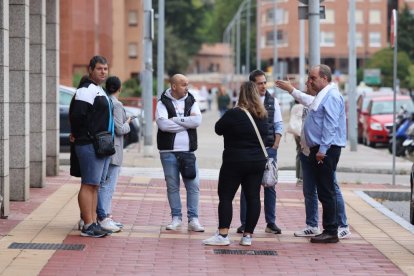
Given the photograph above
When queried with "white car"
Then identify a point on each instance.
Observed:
(201, 100)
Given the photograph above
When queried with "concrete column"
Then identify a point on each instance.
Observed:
(4, 108)
(52, 87)
(19, 99)
(37, 95)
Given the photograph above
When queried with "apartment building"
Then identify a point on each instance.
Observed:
(111, 28)
(372, 31)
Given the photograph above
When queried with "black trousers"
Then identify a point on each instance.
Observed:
(324, 176)
(233, 174)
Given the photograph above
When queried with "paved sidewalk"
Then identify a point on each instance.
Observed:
(379, 245)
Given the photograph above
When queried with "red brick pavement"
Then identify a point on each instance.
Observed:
(144, 210)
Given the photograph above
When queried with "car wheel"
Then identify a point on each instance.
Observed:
(412, 196)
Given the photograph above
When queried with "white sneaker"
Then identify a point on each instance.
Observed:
(217, 239)
(175, 223)
(246, 240)
(81, 223)
(108, 224)
(309, 231)
(194, 225)
(344, 232)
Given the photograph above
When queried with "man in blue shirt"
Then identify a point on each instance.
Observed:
(325, 135)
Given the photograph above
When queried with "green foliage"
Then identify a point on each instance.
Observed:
(383, 60)
(410, 77)
(76, 79)
(131, 88)
(405, 32)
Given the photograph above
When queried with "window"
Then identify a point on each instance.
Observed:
(359, 40)
(374, 17)
(374, 39)
(132, 50)
(281, 16)
(329, 17)
(327, 39)
(132, 18)
(281, 38)
(359, 17)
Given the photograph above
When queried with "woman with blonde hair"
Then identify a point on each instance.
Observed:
(243, 163)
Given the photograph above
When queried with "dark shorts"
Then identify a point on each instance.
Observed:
(93, 169)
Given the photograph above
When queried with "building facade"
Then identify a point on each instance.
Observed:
(372, 31)
(111, 28)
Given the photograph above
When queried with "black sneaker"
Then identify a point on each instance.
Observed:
(93, 231)
(240, 230)
(272, 228)
(100, 228)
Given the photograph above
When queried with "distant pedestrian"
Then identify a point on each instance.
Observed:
(325, 135)
(309, 186)
(107, 189)
(243, 163)
(234, 98)
(178, 116)
(90, 112)
(209, 98)
(295, 128)
(223, 100)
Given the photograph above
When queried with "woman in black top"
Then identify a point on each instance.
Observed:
(243, 162)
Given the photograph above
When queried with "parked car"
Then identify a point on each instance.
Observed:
(201, 100)
(412, 196)
(362, 104)
(66, 94)
(378, 118)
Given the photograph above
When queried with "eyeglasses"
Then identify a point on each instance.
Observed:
(261, 83)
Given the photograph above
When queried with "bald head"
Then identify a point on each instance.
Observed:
(179, 86)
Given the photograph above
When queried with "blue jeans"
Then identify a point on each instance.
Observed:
(269, 198)
(311, 197)
(106, 190)
(170, 166)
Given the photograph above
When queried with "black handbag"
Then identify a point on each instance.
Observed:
(103, 143)
(186, 164)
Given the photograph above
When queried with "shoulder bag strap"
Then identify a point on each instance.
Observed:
(257, 132)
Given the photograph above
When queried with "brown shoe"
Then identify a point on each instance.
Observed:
(325, 238)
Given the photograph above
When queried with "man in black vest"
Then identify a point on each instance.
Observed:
(273, 138)
(177, 116)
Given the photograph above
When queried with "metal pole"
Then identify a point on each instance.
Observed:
(248, 23)
(314, 29)
(302, 55)
(395, 18)
(160, 48)
(275, 69)
(147, 77)
(258, 58)
(352, 119)
(238, 43)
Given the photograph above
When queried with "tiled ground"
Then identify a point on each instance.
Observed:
(146, 248)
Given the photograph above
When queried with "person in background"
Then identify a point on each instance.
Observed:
(223, 100)
(90, 112)
(243, 163)
(234, 98)
(107, 189)
(295, 128)
(274, 134)
(324, 132)
(209, 98)
(178, 116)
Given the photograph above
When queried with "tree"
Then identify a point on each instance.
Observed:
(383, 60)
(405, 32)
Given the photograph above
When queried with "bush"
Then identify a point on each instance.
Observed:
(131, 88)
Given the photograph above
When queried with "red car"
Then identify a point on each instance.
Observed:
(377, 119)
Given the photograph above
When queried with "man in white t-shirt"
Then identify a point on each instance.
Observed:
(178, 116)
